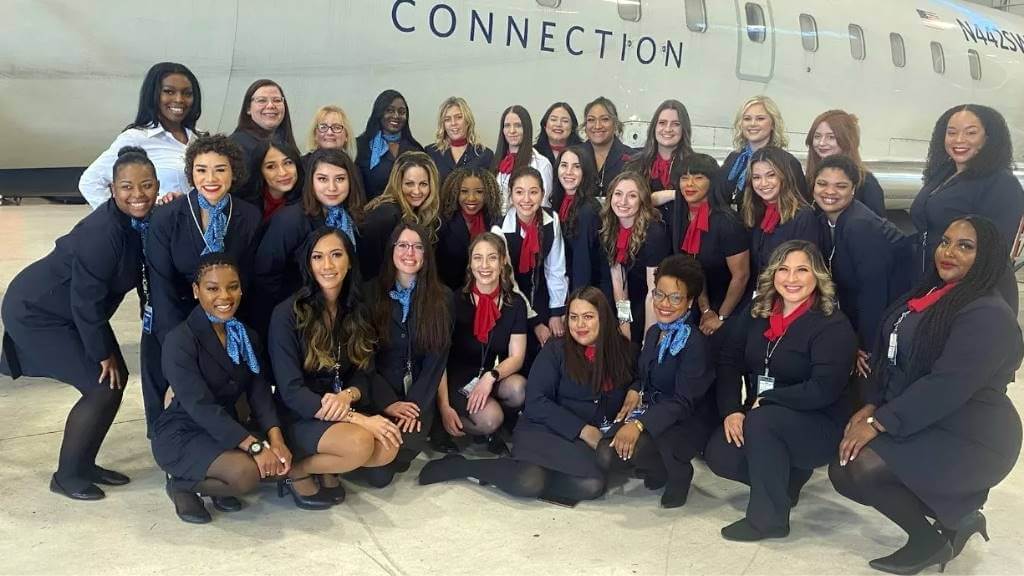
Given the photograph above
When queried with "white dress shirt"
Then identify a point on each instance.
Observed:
(543, 165)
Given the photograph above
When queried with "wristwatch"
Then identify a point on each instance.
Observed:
(639, 425)
(722, 317)
(255, 448)
(494, 372)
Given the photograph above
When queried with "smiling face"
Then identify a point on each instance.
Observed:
(408, 255)
(965, 137)
(471, 195)
(135, 190)
(766, 182)
(176, 99)
(527, 194)
(395, 116)
(600, 126)
(267, 107)
(219, 291)
(824, 141)
(279, 171)
(485, 263)
(794, 279)
(330, 262)
(833, 192)
(584, 322)
(669, 129)
(211, 175)
(558, 127)
(416, 186)
(695, 188)
(671, 300)
(330, 184)
(512, 129)
(570, 172)
(756, 125)
(957, 251)
(455, 125)
(330, 132)
(625, 201)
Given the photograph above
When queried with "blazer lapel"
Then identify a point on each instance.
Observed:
(203, 330)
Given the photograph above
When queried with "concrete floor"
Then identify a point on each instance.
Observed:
(457, 528)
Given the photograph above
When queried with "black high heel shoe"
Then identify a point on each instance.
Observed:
(89, 492)
(973, 523)
(313, 502)
(942, 555)
(335, 494)
(187, 505)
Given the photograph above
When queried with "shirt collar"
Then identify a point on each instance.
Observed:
(159, 129)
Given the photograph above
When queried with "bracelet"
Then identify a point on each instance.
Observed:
(639, 425)
(705, 311)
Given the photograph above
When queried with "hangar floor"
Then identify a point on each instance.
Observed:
(457, 528)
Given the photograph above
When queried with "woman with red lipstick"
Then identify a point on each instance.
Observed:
(471, 206)
(669, 141)
(633, 241)
(797, 360)
(838, 133)
(386, 138)
(969, 171)
(456, 144)
(938, 431)
(277, 167)
(559, 129)
(515, 151)
(575, 391)
(264, 115)
(579, 215)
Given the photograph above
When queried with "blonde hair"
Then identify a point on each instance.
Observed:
(427, 215)
(644, 216)
(778, 138)
(441, 137)
(824, 293)
(319, 117)
(790, 201)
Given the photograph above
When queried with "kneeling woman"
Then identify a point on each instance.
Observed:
(574, 394)
(323, 364)
(210, 362)
(675, 375)
(939, 431)
(799, 353)
(57, 312)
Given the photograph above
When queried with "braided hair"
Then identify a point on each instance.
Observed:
(212, 260)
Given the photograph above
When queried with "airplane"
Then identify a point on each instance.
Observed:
(72, 71)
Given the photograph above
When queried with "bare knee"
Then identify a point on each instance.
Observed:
(346, 440)
(383, 454)
(512, 391)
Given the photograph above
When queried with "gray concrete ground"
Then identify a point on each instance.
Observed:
(457, 528)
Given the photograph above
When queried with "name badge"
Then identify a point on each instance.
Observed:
(605, 426)
(764, 384)
(147, 319)
(623, 311)
(468, 388)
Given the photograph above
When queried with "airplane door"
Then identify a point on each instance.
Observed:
(755, 29)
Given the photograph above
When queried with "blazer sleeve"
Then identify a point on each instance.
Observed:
(1003, 203)
(93, 266)
(94, 185)
(160, 265)
(801, 180)
(542, 393)
(977, 349)
(261, 402)
(433, 367)
(582, 257)
(832, 352)
(286, 358)
(554, 271)
(871, 194)
(546, 175)
(272, 254)
(873, 262)
(375, 232)
(692, 382)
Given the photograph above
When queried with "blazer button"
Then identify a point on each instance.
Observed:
(595, 401)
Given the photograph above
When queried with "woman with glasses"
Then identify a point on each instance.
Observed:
(330, 129)
(264, 115)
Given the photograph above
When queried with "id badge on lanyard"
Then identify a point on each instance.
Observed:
(765, 382)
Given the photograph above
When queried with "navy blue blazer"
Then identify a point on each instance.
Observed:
(453, 249)
(376, 180)
(677, 388)
(174, 246)
(207, 384)
(583, 244)
(473, 157)
(733, 196)
(374, 234)
(618, 157)
(871, 194)
(277, 267)
(803, 226)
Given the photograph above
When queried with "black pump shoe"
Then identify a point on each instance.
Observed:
(942, 555)
(108, 477)
(318, 501)
(187, 505)
(744, 531)
(90, 492)
(226, 503)
(335, 494)
(973, 523)
(497, 446)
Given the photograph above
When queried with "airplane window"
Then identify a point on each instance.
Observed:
(975, 59)
(755, 23)
(938, 58)
(696, 15)
(899, 50)
(629, 10)
(549, 3)
(809, 32)
(857, 48)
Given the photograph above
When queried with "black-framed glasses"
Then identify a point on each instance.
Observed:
(674, 298)
(323, 127)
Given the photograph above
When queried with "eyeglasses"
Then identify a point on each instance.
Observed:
(409, 247)
(819, 138)
(263, 101)
(674, 298)
(334, 128)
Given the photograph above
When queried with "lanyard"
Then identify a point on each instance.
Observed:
(202, 234)
(407, 378)
(769, 351)
(894, 338)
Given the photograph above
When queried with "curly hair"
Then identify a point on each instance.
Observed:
(610, 222)
(778, 139)
(453, 183)
(506, 283)
(218, 144)
(837, 162)
(790, 199)
(995, 155)
(685, 269)
(428, 214)
(825, 291)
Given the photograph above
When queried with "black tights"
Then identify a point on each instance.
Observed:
(86, 427)
(515, 477)
(646, 458)
(233, 473)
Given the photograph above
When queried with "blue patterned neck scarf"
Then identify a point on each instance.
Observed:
(739, 169)
(238, 343)
(218, 226)
(404, 297)
(338, 217)
(379, 146)
(675, 335)
(141, 226)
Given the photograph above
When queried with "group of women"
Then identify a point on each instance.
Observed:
(609, 311)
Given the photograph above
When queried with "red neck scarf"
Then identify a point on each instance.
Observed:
(475, 223)
(590, 353)
(699, 223)
(556, 149)
(458, 143)
(271, 204)
(771, 218)
(660, 170)
(507, 163)
(779, 324)
(487, 313)
(622, 244)
(531, 246)
(563, 209)
(924, 302)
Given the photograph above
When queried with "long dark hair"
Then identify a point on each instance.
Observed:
(586, 191)
(525, 153)
(995, 155)
(543, 145)
(384, 99)
(643, 162)
(350, 327)
(429, 312)
(259, 154)
(356, 199)
(247, 124)
(614, 360)
(148, 115)
(990, 264)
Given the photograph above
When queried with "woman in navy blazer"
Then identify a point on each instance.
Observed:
(471, 204)
(56, 315)
(211, 360)
(386, 137)
(456, 144)
(207, 220)
(574, 395)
